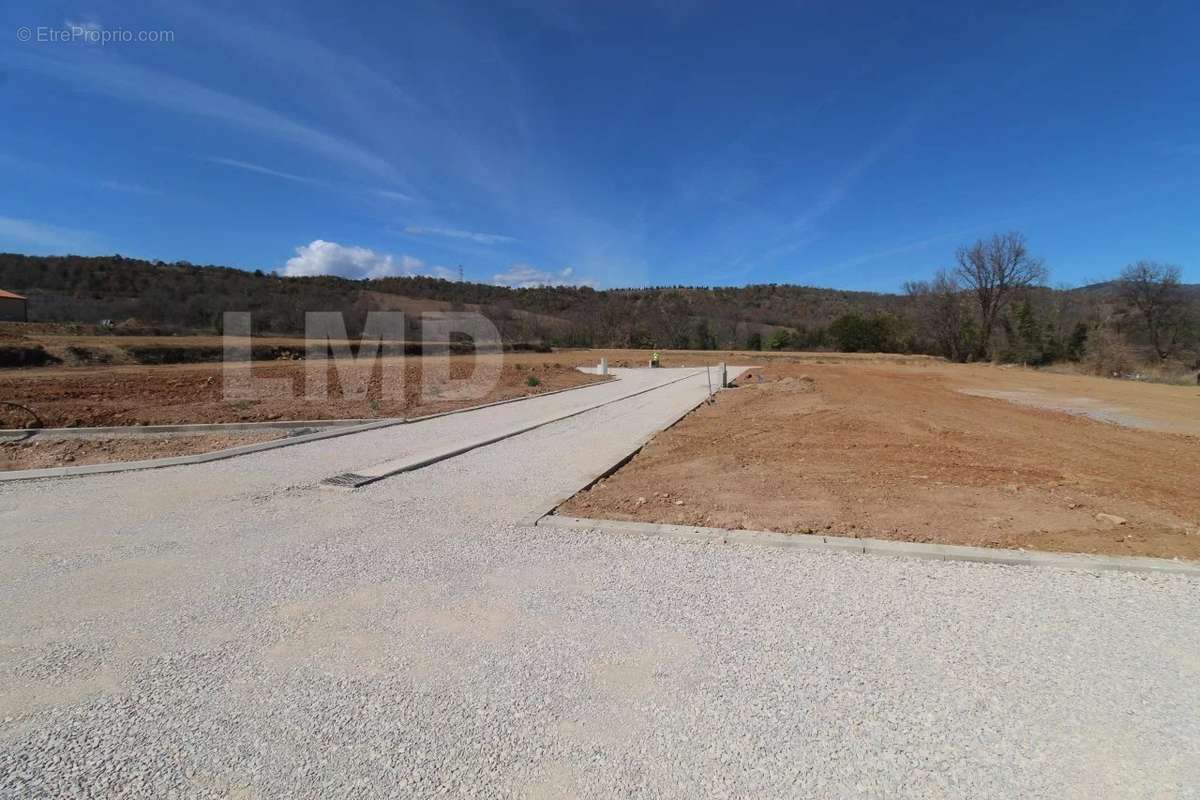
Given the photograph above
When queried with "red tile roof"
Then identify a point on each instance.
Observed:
(11, 295)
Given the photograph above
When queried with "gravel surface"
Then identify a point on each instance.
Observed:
(231, 630)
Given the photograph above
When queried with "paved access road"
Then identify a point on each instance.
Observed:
(231, 630)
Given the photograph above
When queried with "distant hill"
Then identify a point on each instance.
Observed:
(182, 297)
(185, 297)
(1109, 289)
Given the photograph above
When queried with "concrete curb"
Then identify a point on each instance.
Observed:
(494, 403)
(197, 458)
(345, 428)
(935, 552)
(363, 477)
(531, 519)
(215, 427)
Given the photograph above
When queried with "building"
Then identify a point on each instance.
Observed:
(13, 307)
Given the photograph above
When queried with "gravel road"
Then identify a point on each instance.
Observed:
(232, 630)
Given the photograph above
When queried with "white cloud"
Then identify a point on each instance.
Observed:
(261, 170)
(87, 30)
(454, 233)
(803, 229)
(391, 194)
(129, 188)
(330, 258)
(523, 276)
(134, 83)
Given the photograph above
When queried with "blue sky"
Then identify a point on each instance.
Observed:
(639, 143)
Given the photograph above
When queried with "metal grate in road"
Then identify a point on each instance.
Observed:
(347, 480)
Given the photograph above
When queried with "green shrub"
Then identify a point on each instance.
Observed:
(533, 380)
(780, 339)
(855, 333)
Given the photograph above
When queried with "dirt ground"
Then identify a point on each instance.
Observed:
(193, 393)
(901, 451)
(123, 393)
(38, 453)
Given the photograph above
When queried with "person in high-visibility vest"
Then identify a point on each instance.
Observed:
(654, 359)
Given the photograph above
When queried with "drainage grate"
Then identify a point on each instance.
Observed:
(347, 480)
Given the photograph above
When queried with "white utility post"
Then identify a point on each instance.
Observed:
(603, 366)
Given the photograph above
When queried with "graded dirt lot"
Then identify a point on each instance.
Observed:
(38, 453)
(194, 393)
(84, 393)
(902, 451)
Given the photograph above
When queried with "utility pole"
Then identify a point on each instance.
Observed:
(460, 274)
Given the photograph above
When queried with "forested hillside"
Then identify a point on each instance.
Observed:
(180, 296)
(1033, 323)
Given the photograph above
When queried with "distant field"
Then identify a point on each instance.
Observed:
(92, 347)
(49, 345)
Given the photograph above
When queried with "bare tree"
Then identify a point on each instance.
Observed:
(993, 270)
(1154, 290)
(942, 316)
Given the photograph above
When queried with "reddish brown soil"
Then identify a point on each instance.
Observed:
(898, 452)
(38, 453)
(122, 393)
(193, 393)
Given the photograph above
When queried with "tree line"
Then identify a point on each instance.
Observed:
(992, 303)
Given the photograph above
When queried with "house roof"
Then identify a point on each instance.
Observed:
(11, 295)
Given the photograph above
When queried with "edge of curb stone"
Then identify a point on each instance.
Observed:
(935, 552)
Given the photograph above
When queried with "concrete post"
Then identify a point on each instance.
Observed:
(724, 381)
(603, 366)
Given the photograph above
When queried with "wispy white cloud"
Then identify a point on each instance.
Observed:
(320, 257)
(129, 188)
(834, 194)
(248, 166)
(70, 172)
(134, 83)
(454, 233)
(261, 170)
(802, 230)
(906, 248)
(415, 120)
(26, 233)
(899, 250)
(391, 194)
(89, 28)
(454, 128)
(524, 276)
(791, 246)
